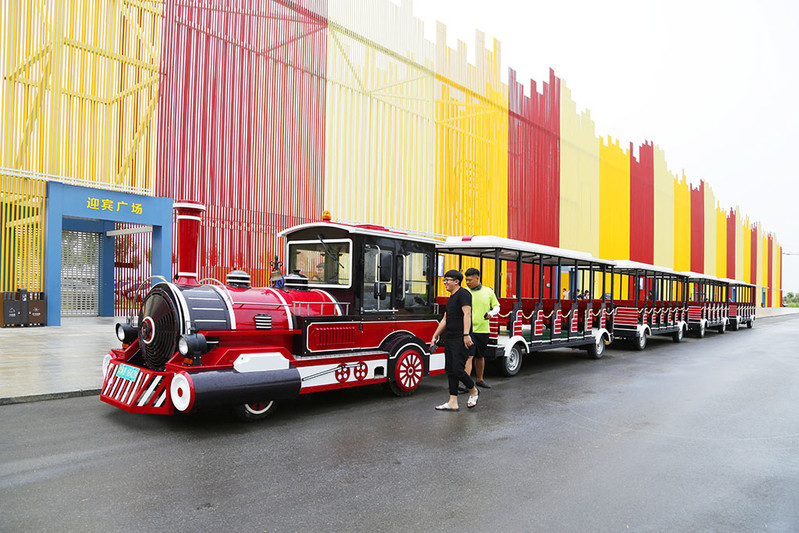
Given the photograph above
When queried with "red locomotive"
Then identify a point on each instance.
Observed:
(356, 308)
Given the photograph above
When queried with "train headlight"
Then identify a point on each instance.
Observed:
(192, 345)
(183, 347)
(126, 333)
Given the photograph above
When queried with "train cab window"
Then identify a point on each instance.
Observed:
(413, 280)
(377, 278)
(325, 263)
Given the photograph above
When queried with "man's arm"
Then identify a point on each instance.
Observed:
(439, 329)
(494, 303)
(467, 324)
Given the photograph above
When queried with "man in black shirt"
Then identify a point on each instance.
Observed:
(457, 325)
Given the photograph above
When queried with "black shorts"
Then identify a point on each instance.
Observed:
(480, 346)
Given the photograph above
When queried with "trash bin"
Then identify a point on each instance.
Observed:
(14, 312)
(37, 309)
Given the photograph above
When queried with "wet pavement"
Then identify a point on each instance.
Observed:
(696, 436)
(36, 361)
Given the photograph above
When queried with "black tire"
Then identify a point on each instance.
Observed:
(701, 332)
(721, 328)
(734, 325)
(510, 365)
(750, 324)
(408, 370)
(677, 335)
(597, 349)
(255, 411)
(639, 343)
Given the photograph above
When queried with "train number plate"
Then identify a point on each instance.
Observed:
(127, 372)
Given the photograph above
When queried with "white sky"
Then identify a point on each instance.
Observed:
(712, 83)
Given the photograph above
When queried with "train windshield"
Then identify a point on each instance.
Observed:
(323, 262)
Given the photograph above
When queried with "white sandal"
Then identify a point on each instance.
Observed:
(472, 400)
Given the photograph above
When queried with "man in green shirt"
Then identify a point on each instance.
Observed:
(484, 306)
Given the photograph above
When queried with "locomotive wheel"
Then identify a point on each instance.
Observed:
(255, 411)
(597, 350)
(509, 365)
(408, 371)
(640, 342)
(677, 336)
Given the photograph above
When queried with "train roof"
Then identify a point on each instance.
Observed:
(737, 282)
(696, 276)
(624, 265)
(486, 245)
(360, 229)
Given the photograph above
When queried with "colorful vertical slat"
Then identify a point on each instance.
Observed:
(579, 178)
(682, 224)
(731, 232)
(663, 211)
(80, 86)
(614, 201)
(242, 122)
(698, 229)
(380, 135)
(642, 204)
(534, 162)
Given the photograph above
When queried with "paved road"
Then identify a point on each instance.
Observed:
(698, 436)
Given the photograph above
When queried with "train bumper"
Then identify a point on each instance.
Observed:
(230, 387)
(140, 390)
(135, 389)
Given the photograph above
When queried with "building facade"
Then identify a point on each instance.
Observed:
(269, 112)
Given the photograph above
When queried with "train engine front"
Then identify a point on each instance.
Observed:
(209, 344)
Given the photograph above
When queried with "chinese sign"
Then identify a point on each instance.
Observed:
(100, 204)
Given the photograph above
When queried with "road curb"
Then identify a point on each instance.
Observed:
(49, 396)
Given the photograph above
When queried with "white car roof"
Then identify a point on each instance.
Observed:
(365, 229)
(485, 245)
(635, 265)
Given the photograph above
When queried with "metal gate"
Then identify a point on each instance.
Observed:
(80, 273)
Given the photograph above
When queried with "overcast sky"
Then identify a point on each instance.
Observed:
(712, 83)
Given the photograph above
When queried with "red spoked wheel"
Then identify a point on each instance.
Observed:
(342, 373)
(360, 372)
(408, 371)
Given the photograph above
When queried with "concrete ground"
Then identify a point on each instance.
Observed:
(40, 363)
(59, 361)
(697, 436)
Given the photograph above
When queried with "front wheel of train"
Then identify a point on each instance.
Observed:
(721, 328)
(255, 411)
(677, 336)
(408, 371)
(701, 332)
(597, 350)
(509, 365)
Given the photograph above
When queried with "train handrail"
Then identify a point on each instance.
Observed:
(129, 318)
(210, 279)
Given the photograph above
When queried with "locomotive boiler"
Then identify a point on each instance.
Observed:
(355, 308)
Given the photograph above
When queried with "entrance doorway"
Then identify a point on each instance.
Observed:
(80, 273)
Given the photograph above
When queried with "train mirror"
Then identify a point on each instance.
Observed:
(380, 291)
(385, 267)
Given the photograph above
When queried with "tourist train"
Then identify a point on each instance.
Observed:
(358, 305)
